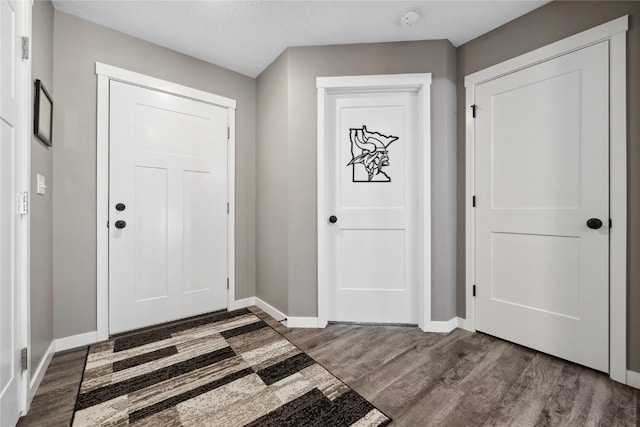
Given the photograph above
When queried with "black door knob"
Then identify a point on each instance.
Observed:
(594, 223)
(120, 224)
(333, 219)
(120, 207)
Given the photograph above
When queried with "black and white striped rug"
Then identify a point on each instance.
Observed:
(222, 369)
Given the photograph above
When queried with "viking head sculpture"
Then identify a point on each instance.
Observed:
(374, 155)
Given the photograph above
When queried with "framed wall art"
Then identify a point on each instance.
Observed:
(43, 114)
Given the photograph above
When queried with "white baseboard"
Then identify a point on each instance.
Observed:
(74, 341)
(38, 374)
(633, 379)
(302, 322)
(467, 325)
(243, 303)
(270, 310)
(444, 326)
(292, 322)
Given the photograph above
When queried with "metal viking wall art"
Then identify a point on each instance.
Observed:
(369, 152)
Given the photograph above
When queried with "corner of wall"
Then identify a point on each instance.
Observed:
(452, 172)
(271, 183)
(444, 187)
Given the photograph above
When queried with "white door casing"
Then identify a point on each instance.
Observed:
(535, 222)
(542, 171)
(373, 143)
(9, 347)
(105, 75)
(15, 130)
(168, 169)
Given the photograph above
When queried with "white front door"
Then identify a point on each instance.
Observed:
(9, 292)
(542, 215)
(372, 207)
(167, 207)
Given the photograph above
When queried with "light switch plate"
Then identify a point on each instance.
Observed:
(41, 184)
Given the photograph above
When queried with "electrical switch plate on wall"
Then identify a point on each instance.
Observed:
(41, 184)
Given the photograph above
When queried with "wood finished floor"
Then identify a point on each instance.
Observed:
(420, 379)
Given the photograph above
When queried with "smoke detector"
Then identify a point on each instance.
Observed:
(409, 17)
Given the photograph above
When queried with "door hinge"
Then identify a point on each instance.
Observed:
(610, 223)
(227, 283)
(23, 358)
(228, 132)
(473, 201)
(474, 107)
(22, 203)
(25, 48)
(474, 290)
(228, 208)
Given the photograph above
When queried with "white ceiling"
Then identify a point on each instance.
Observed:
(246, 36)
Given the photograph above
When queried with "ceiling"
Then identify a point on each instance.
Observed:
(246, 36)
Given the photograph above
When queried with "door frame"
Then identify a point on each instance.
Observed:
(421, 84)
(105, 74)
(22, 174)
(614, 32)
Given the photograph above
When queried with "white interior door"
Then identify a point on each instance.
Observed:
(167, 207)
(372, 207)
(542, 156)
(9, 292)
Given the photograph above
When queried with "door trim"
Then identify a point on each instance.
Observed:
(615, 32)
(420, 83)
(22, 173)
(105, 74)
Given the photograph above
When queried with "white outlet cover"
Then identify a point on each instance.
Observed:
(41, 184)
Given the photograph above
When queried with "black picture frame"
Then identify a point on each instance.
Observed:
(43, 114)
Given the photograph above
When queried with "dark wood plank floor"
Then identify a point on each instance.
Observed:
(421, 379)
(56, 397)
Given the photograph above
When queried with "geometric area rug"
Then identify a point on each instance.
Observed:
(221, 369)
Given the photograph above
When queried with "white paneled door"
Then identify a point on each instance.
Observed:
(372, 200)
(9, 291)
(542, 214)
(167, 207)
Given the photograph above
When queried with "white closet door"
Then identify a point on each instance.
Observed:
(542, 144)
(9, 292)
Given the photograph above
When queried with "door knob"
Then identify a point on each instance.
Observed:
(121, 224)
(120, 207)
(333, 219)
(594, 223)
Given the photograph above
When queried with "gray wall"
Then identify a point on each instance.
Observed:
(304, 65)
(41, 267)
(77, 45)
(271, 176)
(545, 25)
